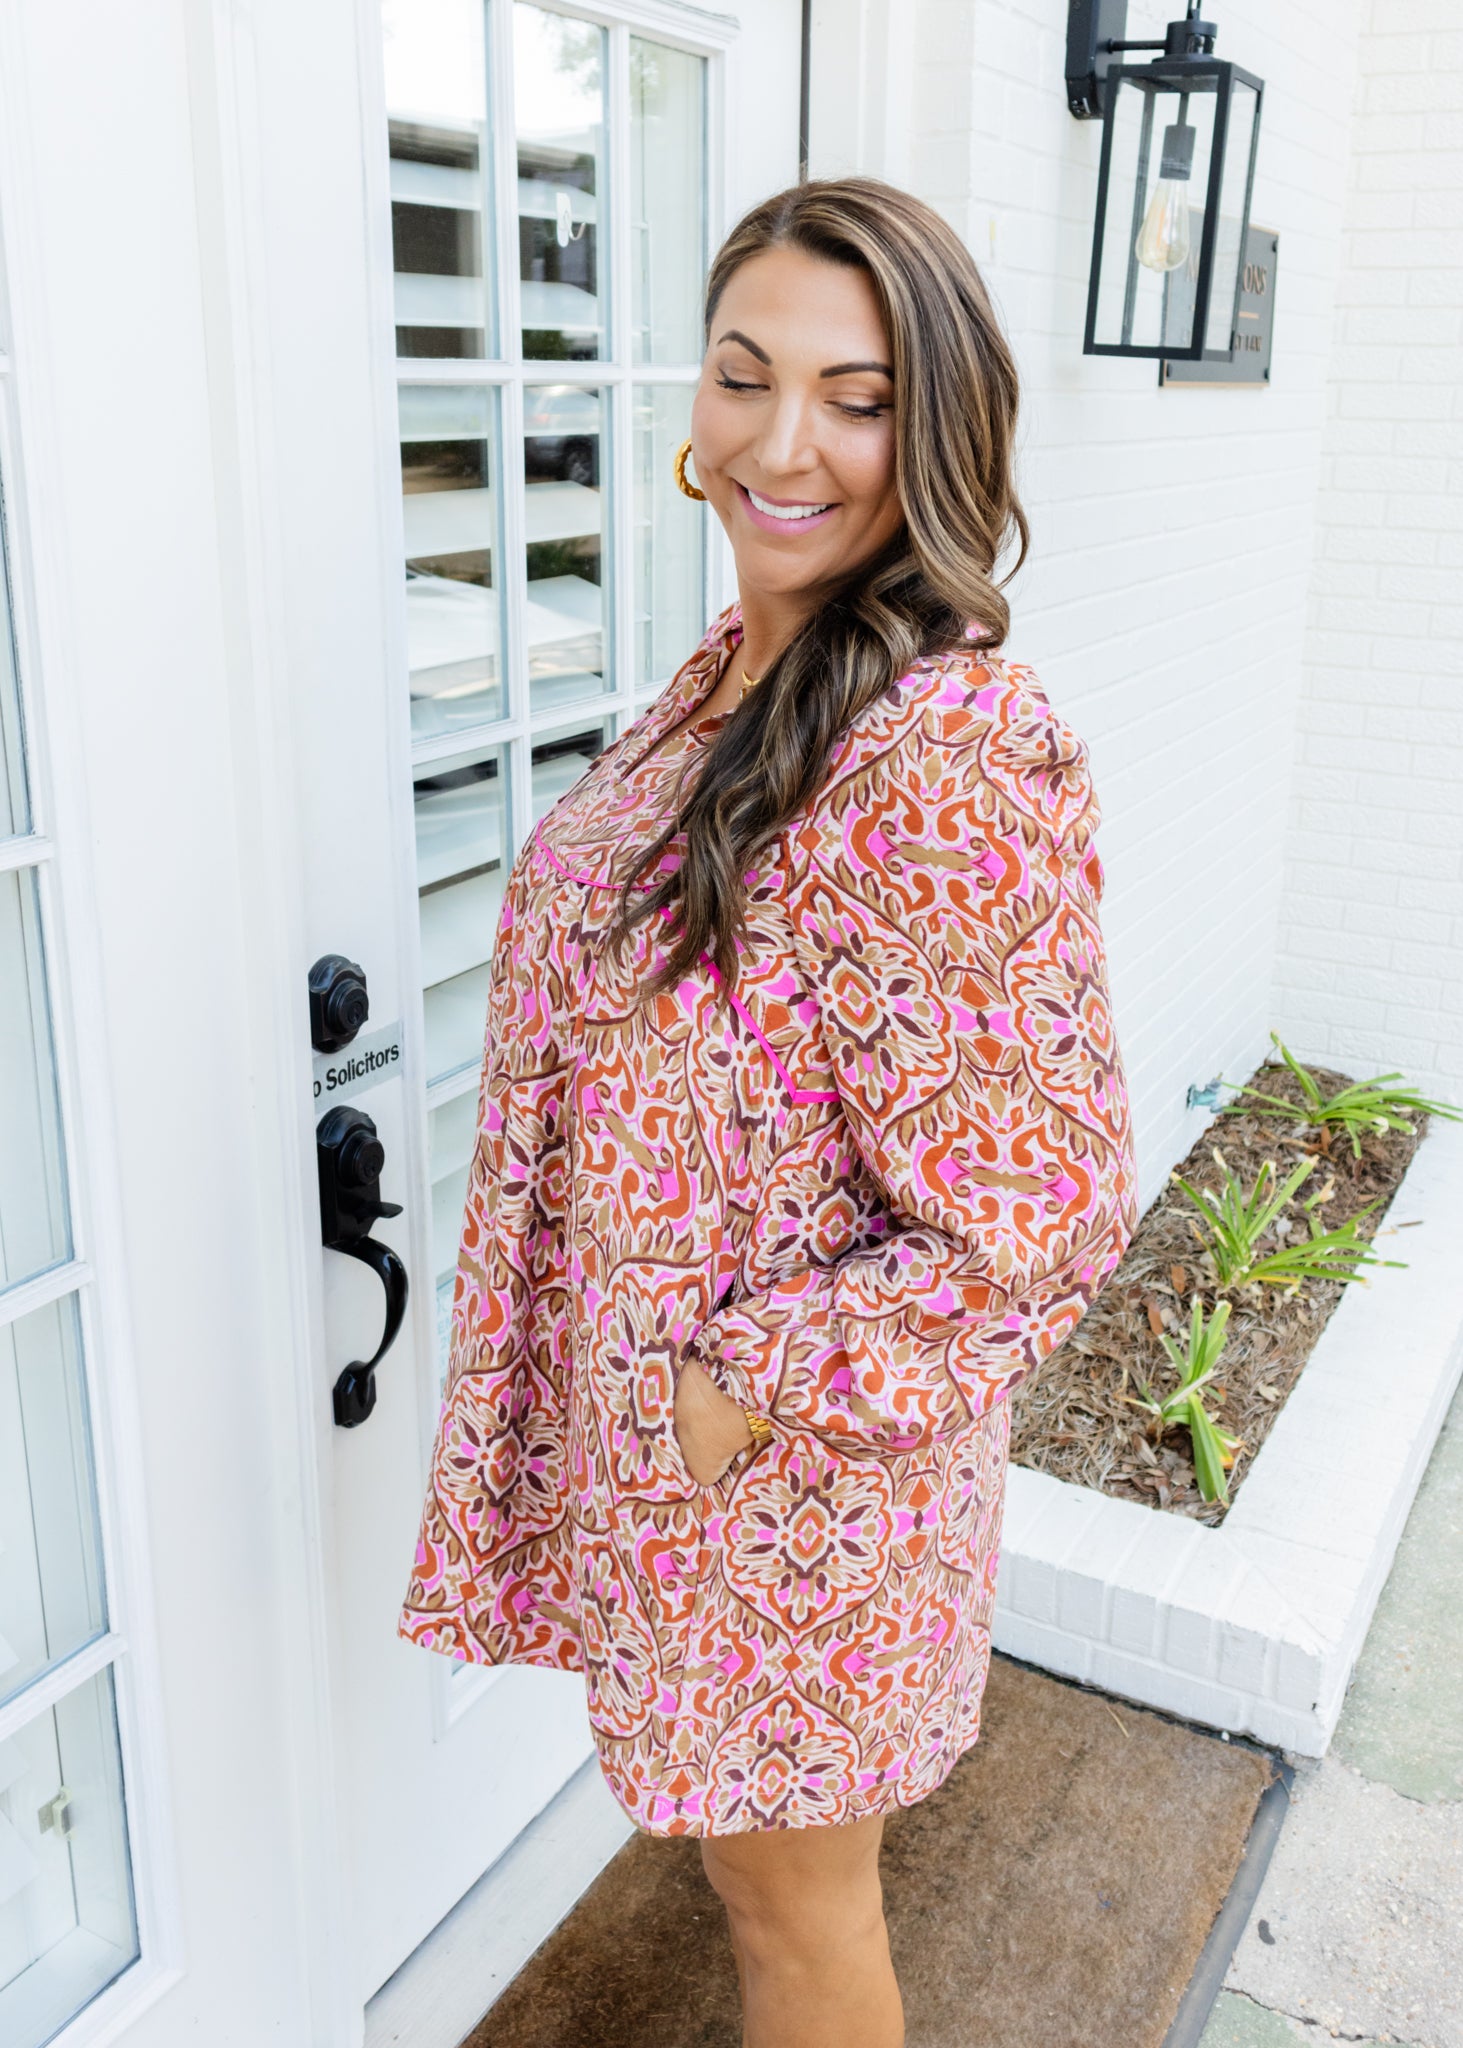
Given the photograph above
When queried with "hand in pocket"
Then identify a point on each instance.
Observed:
(710, 1428)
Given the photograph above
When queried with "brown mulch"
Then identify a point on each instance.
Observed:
(1071, 1419)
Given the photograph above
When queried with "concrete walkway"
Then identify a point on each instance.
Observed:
(1358, 1931)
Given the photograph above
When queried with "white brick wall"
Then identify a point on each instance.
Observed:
(1165, 602)
(1369, 966)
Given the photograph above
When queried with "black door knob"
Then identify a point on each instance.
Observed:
(339, 1003)
(350, 1157)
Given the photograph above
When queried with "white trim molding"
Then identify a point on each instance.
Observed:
(443, 1989)
(1255, 1626)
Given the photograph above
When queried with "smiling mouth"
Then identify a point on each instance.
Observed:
(786, 515)
(787, 511)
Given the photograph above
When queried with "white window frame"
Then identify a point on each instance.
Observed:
(53, 848)
(703, 35)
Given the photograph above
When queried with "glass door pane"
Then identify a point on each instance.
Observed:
(450, 510)
(558, 92)
(1234, 182)
(560, 758)
(667, 201)
(462, 870)
(67, 1919)
(463, 610)
(14, 810)
(436, 100)
(34, 1227)
(669, 551)
(51, 1598)
(565, 511)
(67, 1925)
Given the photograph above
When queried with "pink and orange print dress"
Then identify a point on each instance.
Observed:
(894, 1164)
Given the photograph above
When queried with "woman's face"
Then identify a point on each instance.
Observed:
(793, 425)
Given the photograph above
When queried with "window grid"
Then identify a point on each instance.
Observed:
(614, 375)
(617, 378)
(61, 1722)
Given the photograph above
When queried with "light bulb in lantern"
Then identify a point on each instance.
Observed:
(1163, 239)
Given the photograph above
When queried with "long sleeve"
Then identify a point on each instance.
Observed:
(943, 902)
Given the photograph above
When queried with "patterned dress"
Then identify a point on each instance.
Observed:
(894, 1164)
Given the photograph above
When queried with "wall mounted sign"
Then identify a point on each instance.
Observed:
(1254, 327)
(368, 1060)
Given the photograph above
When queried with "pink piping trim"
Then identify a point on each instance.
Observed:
(584, 881)
(797, 1094)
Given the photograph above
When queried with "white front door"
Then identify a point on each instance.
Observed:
(470, 240)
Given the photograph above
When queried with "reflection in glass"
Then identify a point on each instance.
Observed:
(68, 1924)
(462, 871)
(669, 544)
(559, 759)
(436, 101)
(34, 1231)
(450, 513)
(667, 189)
(14, 812)
(51, 1599)
(562, 445)
(558, 92)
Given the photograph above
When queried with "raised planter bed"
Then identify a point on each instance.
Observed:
(1254, 1625)
(1076, 1418)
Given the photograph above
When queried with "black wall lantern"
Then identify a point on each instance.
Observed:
(1179, 137)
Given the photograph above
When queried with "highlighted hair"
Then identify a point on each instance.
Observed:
(955, 402)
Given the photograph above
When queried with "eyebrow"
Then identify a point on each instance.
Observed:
(734, 334)
(834, 370)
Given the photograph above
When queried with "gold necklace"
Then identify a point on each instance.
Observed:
(748, 683)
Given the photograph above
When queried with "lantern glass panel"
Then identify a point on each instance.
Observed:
(1234, 208)
(1158, 177)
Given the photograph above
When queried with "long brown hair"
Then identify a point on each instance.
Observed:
(955, 402)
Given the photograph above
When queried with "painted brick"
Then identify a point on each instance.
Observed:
(1184, 682)
(1246, 1658)
(1086, 1589)
(1299, 1674)
(1402, 213)
(1031, 1561)
(1035, 1642)
(1322, 1585)
(1251, 604)
(1191, 1627)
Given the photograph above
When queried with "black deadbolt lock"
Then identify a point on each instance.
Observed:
(350, 1158)
(339, 1004)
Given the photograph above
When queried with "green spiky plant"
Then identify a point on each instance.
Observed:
(1233, 1223)
(1196, 1362)
(1385, 1103)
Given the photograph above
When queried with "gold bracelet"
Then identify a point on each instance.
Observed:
(760, 1427)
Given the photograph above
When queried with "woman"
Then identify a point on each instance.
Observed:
(803, 1133)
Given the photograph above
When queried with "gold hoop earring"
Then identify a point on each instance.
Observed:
(680, 468)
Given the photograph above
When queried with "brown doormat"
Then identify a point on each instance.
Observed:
(1055, 1893)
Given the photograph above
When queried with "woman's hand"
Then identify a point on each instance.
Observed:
(710, 1428)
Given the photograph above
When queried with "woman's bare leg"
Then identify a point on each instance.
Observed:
(807, 1918)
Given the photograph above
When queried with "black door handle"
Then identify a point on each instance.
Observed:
(350, 1157)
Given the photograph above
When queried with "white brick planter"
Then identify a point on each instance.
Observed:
(1255, 1626)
